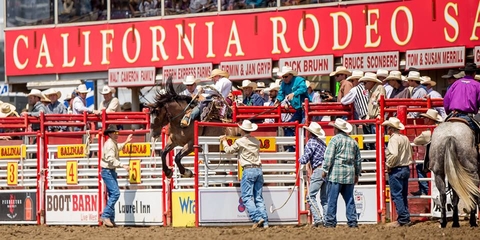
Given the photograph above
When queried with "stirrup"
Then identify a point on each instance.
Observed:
(185, 122)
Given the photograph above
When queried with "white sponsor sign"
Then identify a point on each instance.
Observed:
(365, 197)
(231, 208)
(72, 207)
(131, 77)
(139, 207)
(436, 58)
(371, 62)
(436, 204)
(180, 72)
(305, 66)
(252, 69)
(476, 55)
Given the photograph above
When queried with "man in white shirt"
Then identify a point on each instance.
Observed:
(191, 83)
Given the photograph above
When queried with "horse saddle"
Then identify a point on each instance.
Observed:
(458, 119)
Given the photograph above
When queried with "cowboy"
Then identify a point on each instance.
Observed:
(341, 73)
(110, 162)
(398, 159)
(396, 80)
(248, 149)
(260, 90)
(55, 107)
(429, 84)
(414, 81)
(7, 110)
(357, 95)
(34, 98)
(432, 117)
(109, 103)
(450, 76)
(272, 92)
(382, 75)
(314, 155)
(250, 98)
(375, 90)
(191, 83)
(79, 103)
(294, 90)
(314, 95)
(342, 168)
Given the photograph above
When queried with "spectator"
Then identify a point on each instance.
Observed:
(429, 84)
(7, 110)
(450, 77)
(45, 100)
(272, 91)
(110, 103)
(55, 107)
(79, 103)
(341, 74)
(382, 75)
(418, 90)
(314, 95)
(396, 81)
(294, 90)
(375, 90)
(358, 95)
(191, 83)
(250, 98)
(127, 107)
(34, 98)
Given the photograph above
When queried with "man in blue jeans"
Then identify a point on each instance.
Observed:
(398, 159)
(110, 161)
(342, 166)
(248, 149)
(313, 153)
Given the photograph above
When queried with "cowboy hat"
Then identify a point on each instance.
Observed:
(342, 125)
(477, 77)
(469, 67)
(36, 93)
(273, 86)
(424, 138)
(355, 75)
(52, 91)
(414, 76)
(450, 74)
(459, 75)
(316, 129)
(382, 73)
(7, 109)
(248, 83)
(426, 80)
(111, 128)
(394, 75)
(432, 114)
(190, 80)
(260, 85)
(82, 88)
(287, 70)
(45, 98)
(394, 122)
(370, 77)
(248, 126)
(127, 106)
(340, 70)
(218, 72)
(106, 90)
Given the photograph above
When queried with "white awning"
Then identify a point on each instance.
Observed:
(53, 84)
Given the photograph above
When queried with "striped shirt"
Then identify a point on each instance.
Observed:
(359, 96)
(342, 159)
(314, 152)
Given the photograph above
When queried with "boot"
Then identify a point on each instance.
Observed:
(185, 122)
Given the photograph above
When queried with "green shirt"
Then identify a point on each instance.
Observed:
(342, 159)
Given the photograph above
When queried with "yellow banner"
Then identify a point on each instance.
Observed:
(183, 209)
(358, 138)
(267, 144)
(135, 150)
(71, 151)
(13, 152)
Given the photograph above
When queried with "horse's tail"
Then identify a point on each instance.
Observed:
(461, 181)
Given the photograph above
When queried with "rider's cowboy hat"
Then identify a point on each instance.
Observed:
(394, 75)
(340, 70)
(52, 91)
(287, 70)
(394, 122)
(7, 109)
(111, 128)
(315, 129)
(190, 80)
(469, 67)
(248, 83)
(355, 75)
(106, 90)
(370, 77)
(218, 72)
(426, 80)
(342, 125)
(248, 126)
(82, 88)
(36, 93)
(432, 114)
(382, 73)
(414, 76)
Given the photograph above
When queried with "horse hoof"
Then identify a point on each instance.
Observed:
(188, 173)
(168, 173)
(455, 225)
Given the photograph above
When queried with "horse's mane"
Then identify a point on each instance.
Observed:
(169, 95)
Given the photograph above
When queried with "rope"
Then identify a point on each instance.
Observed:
(87, 146)
(154, 158)
(272, 210)
(206, 160)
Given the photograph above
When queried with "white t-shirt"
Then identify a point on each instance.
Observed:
(224, 86)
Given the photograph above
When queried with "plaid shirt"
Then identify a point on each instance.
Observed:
(342, 159)
(314, 152)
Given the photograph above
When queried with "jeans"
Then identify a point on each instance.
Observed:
(195, 113)
(334, 189)
(251, 189)
(422, 185)
(109, 177)
(317, 183)
(398, 181)
(298, 116)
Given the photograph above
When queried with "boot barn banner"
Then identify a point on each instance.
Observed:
(337, 30)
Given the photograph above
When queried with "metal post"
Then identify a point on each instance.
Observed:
(109, 9)
(196, 170)
(402, 116)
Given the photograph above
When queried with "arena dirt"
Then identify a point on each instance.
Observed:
(424, 230)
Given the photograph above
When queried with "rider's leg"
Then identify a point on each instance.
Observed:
(190, 115)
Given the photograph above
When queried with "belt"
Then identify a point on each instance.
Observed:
(400, 167)
(462, 113)
(251, 166)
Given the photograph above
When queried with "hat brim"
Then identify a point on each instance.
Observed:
(348, 128)
(389, 124)
(252, 85)
(272, 89)
(86, 91)
(431, 83)
(438, 119)
(414, 79)
(293, 72)
(254, 127)
(382, 75)
(346, 72)
(393, 78)
(353, 77)
(36, 95)
(367, 79)
(447, 76)
(320, 134)
(190, 83)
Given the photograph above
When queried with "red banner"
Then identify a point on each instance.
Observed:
(392, 26)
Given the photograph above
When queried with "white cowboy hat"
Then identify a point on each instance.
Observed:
(106, 90)
(7, 109)
(190, 80)
(426, 80)
(316, 129)
(248, 83)
(342, 125)
(36, 93)
(355, 75)
(459, 75)
(341, 70)
(52, 91)
(394, 122)
(394, 75)
(273, 86)
(218, 72)
(370, 77)
(248, 126)
(424, 138)
(432, 114)
(414, 76)
(82, 88)
(477, 77)
(287, 70)
(260, 85)
(382, 73)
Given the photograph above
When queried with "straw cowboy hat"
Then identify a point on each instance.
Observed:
(432, 114)
(248, 83)
(355, 75)
(190, 80)
(36, 93)
(459, 75)
(370, 77)
(426, 80)
(340, 70)
(260, 85)
(111, 128)
(82, 88)
(7, 109)
(248, 126)
(394, 75)
(287, 70)
(218, 72)
(477, 77)
(424, 138)
(273, 86)
(342, 125)
(106, 90)
(316, 129)
(52, 91)
(414, 76)
(382, 73)
(394, 122)
(45, 98)
(127, 106)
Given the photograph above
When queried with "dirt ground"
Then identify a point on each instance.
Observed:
(424, 230)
